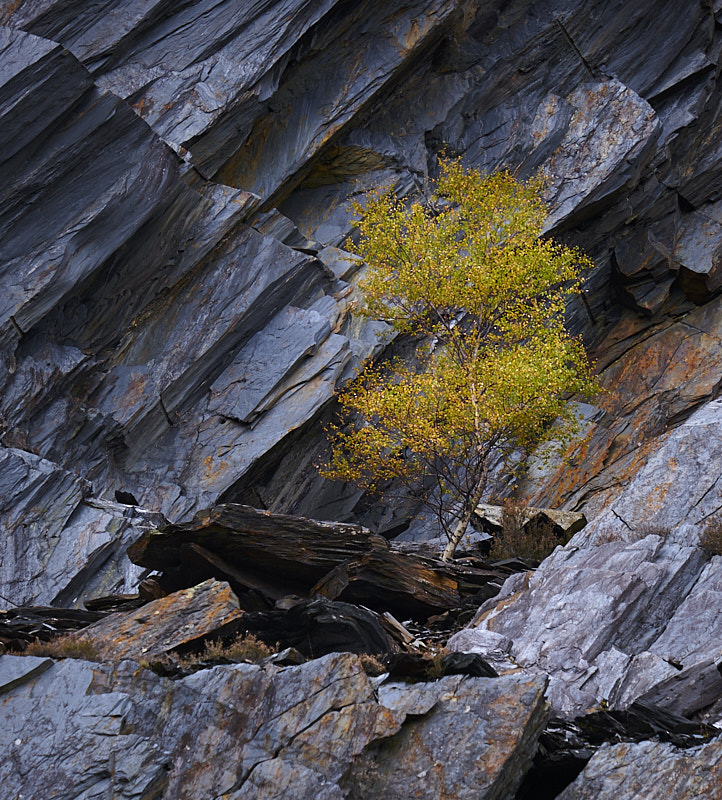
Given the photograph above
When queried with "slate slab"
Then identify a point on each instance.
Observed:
(178, 620)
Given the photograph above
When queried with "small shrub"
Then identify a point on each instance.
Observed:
(372, 665)
(245, 647)
(533, 540)
(711, 539)
(67, 646)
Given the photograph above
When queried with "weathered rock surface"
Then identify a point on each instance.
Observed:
(181, 621)
(496, 737)
(175, 315)
(279, 554)
(619, 771)
(152, 349)
(79, 729)
(63, 551)
(611, 624)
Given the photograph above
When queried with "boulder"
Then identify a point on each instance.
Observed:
(475, 741)
(619, 771)
(608, 623)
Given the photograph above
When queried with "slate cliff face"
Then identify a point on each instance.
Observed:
(176, 313)
(165, 329)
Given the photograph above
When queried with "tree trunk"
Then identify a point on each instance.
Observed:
(465, 518)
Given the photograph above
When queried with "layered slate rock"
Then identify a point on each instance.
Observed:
(75, 160)
(475, 740)
(69, 551)
(647, 456)
(180, 621)
(243, 730)
(280, 554)
(611, 624)
(619, 771)
(146, 287)
(134, 344)
(25, 624)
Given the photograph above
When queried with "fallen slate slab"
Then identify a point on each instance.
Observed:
(279, 547)
(180, 620)
(689, 690)
(29, 623)
(653, 770)
(280, 554)
(320, 626)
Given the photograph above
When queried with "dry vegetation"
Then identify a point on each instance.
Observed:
(67, 646)
(711, 539)
(636, 535)
(245, 647)
(372, 665)
(518, 539)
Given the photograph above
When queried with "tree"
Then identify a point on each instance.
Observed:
(470, 276)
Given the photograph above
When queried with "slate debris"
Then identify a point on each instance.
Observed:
(418, 667)
(320, 626)
(566, 746)
(274, 555)
(19, 626)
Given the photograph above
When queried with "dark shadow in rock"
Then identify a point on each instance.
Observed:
(320, 626)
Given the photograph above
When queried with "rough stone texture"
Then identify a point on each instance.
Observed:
(88, 730)
(620, 771)
(495, 728)
(647, 458)
(136, 355)
(167, 331)
(179, 620)
(16, 670)
(609, 623)
(280, 554)
(65, 551)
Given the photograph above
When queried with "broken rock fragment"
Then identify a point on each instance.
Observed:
(475, 740)
(179, 620)
(664, 771)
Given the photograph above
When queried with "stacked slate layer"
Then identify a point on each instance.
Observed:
(176, 310)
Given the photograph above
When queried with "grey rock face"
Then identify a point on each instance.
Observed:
(148, 303)
(80, 181)
(168, 335)
(72, 549)
(496, 737)
(612, 623)
(620, 771)
(239, 731)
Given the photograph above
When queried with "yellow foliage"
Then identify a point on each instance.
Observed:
(470, 273)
